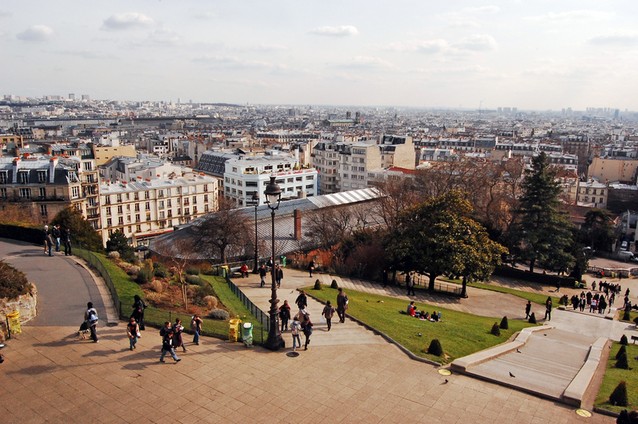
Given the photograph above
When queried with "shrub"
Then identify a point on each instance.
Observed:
(157, 286)
(623, 340)
(211, 301)
(334, 284)
(219, 314)
(192, 271)
(13, 283)
(532, 318)
(209, 271)
(504, 324)
(132, 270)
(114, 255)
(317, 285)
(621, 351)
(160, 271)
(622, 363)
(495, 330)
(192, 279)
(435, 348)
(144, 276)
(619, 396)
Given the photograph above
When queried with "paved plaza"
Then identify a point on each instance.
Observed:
(348, 374)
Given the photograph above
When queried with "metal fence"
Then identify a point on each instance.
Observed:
(439, 286)
(96, 264)
(262, 317)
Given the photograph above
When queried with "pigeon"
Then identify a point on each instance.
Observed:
(445, 382)
(544, 334)
(512, 375)
(518, 351)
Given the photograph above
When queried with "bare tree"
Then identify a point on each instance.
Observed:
(179, 252)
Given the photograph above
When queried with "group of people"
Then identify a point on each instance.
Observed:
(55, 237)
(277, 270)
(423, 315)
(172, 336)
(301, 322)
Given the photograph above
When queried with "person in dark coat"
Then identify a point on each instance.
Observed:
(138, 311)
(301, 301)
(66, 238)
(528, 309)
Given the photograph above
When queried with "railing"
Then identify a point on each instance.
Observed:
(97, 265)
(262, 317)
(439, 286)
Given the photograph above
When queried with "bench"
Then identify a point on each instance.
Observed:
(633, 339)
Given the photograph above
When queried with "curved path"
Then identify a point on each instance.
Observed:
(50, 376)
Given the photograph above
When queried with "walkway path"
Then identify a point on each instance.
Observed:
(50, 376)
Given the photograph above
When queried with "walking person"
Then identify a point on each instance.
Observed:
(328, 312)
(306, 326)
(133, 332)
(196, 326)
(279, 275)
(66, 238)
(262, 275)
(528, 309)
(284, 315)
(44, 239)
(167, 347)
(548, 309)
(55, 232)
(48, 242)
(342, 305)
(178, 330)
(410, 284)
(91, 318)
(295, 329)
(302, 300)
(311, 267)
(138, 311)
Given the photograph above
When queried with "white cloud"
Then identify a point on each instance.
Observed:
(336, 31)
(4, 14)
(572, 16)
(36, 33)
(124, 21)
(488, 9)
(477, 42)
(618, 39)
(423, 46)
(368, 62)
(164, 37)
(234, 62)
(204, 16)
(263, 48)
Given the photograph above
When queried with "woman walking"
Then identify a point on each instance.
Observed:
(178, 340)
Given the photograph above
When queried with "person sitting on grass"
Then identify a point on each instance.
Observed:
(411, 309)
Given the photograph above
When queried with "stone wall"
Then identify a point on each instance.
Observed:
(25, 304)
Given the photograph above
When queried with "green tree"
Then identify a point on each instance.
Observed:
(598, 231)
(543, 233)
(118, 242)
(82, 232)
(438, 237)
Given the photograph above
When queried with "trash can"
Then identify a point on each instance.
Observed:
(224, 269)
(247, 333)
(233, 330)
(283, 261)
(13, 321)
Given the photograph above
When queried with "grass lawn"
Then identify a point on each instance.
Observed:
(126, 288)
(459, 333)
(534, 297)
(614, 375)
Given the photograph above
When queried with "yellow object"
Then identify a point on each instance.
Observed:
(14, 322)
(233, 329)
(583, 413)
(444, 372)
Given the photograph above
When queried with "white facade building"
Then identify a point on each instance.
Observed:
(149, 207)
(247, 175)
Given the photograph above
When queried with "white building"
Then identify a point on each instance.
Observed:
(247, 175)
(152, 206)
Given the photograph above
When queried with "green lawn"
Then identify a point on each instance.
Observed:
(534, 297)
(614, 375)
(459, 333)
(126, 288)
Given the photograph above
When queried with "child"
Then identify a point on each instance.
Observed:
(295, 328)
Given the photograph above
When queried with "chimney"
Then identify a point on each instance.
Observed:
(16, 166)
(297, 217)
(53, 162)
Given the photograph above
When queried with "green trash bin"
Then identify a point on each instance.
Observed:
(283, 261)
(247, 333)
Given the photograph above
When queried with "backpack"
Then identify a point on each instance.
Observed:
(92, 316)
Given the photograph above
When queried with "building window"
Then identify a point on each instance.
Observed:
(137, 217)
(120, 221)
(43, 192)
(43, 210)
(109, 223)
(23, 177)
(42, 176)
(3, 193)
(3, 177)
(25, 193)
(138, 228)
(119, 198)
(75, 192)
(120, 209)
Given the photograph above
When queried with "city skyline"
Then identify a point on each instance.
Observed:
(545, 55)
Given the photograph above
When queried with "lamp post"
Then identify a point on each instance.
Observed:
(274, 341)
(255, 200)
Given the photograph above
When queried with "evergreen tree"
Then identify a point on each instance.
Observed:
(543, 233)
(118, 242)
(82, 232)
(598, 230)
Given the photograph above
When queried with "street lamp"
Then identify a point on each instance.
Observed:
(255, 200)
(273, 197)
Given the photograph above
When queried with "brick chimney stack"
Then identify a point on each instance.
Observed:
(297, 217)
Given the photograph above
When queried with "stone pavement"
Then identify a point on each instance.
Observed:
(50, 376)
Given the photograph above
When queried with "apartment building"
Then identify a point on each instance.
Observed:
(592, 194)
(44, 185)
(244, 176)
(144, 208)
(397, 151)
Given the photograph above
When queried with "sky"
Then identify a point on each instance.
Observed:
(532, 54)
